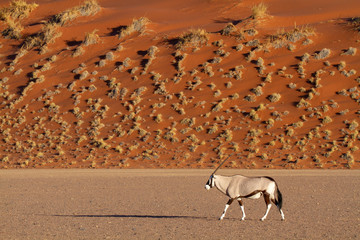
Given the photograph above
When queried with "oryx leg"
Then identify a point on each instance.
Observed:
(281, 212)
(226, 207)
(282, 215)
(242, 209)
(268, 205)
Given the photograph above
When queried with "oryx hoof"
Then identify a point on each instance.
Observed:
(221, 218)
(262, 219)
(243, 219)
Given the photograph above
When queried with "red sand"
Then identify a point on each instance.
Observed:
(34, 136)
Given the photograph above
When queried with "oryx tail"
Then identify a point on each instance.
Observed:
(276, 196)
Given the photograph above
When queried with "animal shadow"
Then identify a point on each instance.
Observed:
(129, 216)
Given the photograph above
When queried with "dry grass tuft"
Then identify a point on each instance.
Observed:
(89, 7)
(13, 30)
(91, 38)
(355, 23)
(275, 97)
(12, 15)
(50, 30)
(137, 25)
(18, 9)
(193, 38)
(229, 29)
(47, 35)
(351, 51)
(324, 53)
(259, 11)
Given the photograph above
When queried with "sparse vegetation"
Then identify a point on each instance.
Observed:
(148, 98)
(193, 38)
(284, 38)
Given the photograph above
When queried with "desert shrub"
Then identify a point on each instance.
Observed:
(324, 53)
(292, 85)
(270, 123)
(158, 118)
(193, 38)
(305, 57)
(152, 51)
(341, 65)
(90, 7)
(257, 91)
(212, 129)
(78, 51)
(227, 134)
(250, 56)
(137, 25)
(64, 17)
(109, 56)
(348, 73)
(229, 29)
(302, 103)
(349, 157)
(84, 75)
(127, 62)
(351, 51)
(254, 115)
(353, 125)
(91, 38)
(274, 97)
(326, 119)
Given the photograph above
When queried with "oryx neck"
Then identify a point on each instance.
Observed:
(221, 183)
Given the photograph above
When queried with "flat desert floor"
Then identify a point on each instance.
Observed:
(173, 204)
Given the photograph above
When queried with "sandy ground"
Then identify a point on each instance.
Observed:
(172, 204)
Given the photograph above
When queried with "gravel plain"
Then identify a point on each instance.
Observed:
(173, 204)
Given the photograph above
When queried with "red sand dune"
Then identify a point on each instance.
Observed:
(187, 106)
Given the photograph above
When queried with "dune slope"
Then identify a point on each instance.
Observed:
(159, 84)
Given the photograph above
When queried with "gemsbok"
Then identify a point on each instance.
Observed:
(238, 187)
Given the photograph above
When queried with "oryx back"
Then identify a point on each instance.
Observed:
(247, 187)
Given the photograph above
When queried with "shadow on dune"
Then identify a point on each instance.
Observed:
(131, 216)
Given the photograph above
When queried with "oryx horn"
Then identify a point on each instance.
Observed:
(221, 164)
